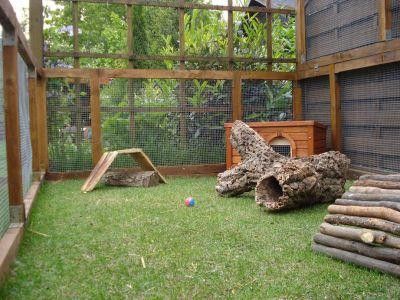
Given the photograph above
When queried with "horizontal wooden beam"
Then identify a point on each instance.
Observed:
(315, 72)
(190, 5)
(374, 49)
(370, 61)
(166, 74)
(184, 170)
(64, 54)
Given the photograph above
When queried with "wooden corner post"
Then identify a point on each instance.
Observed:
(95, 114)
(335, 109)
(13, 140)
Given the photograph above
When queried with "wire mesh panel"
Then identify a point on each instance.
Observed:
(175, 122)
(68, 125)
(395, 19)
(338, 25)
(316, 103)
(371, 117)
(4, 206)
(266, 100)
(25, 134)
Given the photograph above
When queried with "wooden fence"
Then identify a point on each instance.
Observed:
(96, 76)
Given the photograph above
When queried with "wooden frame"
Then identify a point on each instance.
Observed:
(180, 6)
(101, 75)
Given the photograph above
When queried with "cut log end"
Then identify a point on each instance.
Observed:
(269, 193)
(367, 237)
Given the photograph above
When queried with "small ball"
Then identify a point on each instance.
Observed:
(189, 202)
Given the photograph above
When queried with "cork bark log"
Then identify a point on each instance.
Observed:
(281, 182)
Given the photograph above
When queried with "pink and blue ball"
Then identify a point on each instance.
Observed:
(189, 202)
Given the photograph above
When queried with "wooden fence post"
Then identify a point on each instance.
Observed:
(13, 140)
(95, 114)
(335, 109)
(268, 28)
(33, 121)
(297, 102)
(36, 29)
(300, 32)
(385, 19)
(42, 123)
(237, 112)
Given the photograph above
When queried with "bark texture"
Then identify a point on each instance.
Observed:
(281, 183)
(133, 179)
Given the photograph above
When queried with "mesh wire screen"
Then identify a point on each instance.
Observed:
(24, 127)
(371, 117)
(175, 122)
(316, 103)
(338, 25)
(264, 100)
(395, 19)
(68, 125)
(4, 208)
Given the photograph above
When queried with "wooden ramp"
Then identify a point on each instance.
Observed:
(107, 159)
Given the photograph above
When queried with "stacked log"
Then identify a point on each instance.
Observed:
(363, 226)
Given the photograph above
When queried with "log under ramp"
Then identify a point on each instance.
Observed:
(363, 226)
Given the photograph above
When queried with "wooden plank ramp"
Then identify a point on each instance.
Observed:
(108, 158)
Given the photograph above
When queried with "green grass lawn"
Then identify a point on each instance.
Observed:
(144, 243)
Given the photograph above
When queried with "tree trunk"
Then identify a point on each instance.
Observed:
(373, 212)
(282, 183)
(360, 235)
(386, 254)
(370, 223)
(133, 179)
(358, 259)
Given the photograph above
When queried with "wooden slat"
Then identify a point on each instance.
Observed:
(13, 141)
(193, 5)
(95, 116)
(142, 57)
(184, 170)
(335, 109)
(42, 123)
(100, 169)
(268, 30)
(166, 74)
(33, 124)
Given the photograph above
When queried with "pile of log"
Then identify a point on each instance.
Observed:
(280, 182)
(363, 226)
